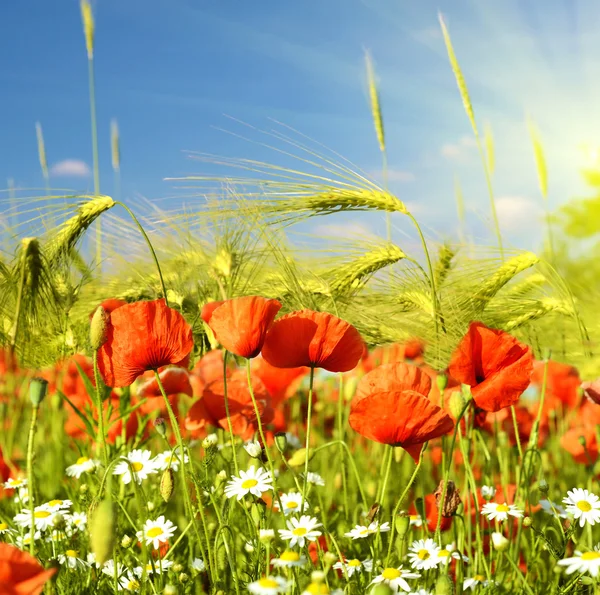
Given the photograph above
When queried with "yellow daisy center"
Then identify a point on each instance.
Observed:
(131, 585)
(299, 531)
(364, 532)
(502, 508)
(317, 589)
(290, 557)
(479, 577)
(291, 504)
(389, 574)
(55, 502)
(414, 517)
(154, 532)
(423, 554)
(355, 563)
(443, 554)
(247, 484)
(590, 556)
(3, 526)
(41, 514)
(82, 460)
(137, 467)
(71, 553)
(268, 583)
(584, 506)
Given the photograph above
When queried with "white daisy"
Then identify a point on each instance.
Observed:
(140, 461)
(270, 585)
(253, 482)
(395, 578)
(550, 507)
(72, 560)
(157, 532)
(81, 466)
(160, 566)
(471, 583)
(488, 492)
(500, 512)
(58, 505)
(415, 520)
(129, 583)
(77, 520)
(253, 448)
(354, 565)
(109, 566)
(361, 531)
(23, 541)
(14, 483)
(292, 502)
(198, 565)
(42, 518)
(583, 505)
(423, 554)
(22, 496)
(170, 459)
(583, 562)
(314, 478)
(289, 559)
(450, 551)
(301, 530)
(4, 528)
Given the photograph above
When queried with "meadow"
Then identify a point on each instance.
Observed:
(191, 403)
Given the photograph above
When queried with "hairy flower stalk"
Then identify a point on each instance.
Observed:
(228, 415)
(308, 426)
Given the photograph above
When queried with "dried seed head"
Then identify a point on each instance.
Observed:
(452, 500)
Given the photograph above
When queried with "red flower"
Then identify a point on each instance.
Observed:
(208, 309)
(21, 573)
(240, 324)
(110, 305)
(175, 381)
(562, 383)
(591, 389)
(494, 364)
(317, 339)
(393, 377)
(282, 383)
(586, 453)
(143, 336)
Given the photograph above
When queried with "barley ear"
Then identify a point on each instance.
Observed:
(87, 16)
(375, 103)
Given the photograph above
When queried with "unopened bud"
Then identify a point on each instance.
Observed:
(184, 578)
(126, 542)
(161, 426)
(266, 535)
(99, 328)
(38, 387)
(457, 403)
(543, 486)
(381, 589)
(442, 382)
(444, 585)
(337, 481)
(527, 521)
(83, 488)
(170, 590)
(281, 441)
(177, 567)
(317, 576)
(330, 558)
(167, 484)
(150, 506)
(253, 448)
(210, 440)
(499, 541)
(103, 531)
(402, 522)
(58, 521)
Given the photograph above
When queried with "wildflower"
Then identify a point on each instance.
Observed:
(169, 460)
(471, 583)
(362, 531)
(494, 364)
(270, 585)
(289, 559)
(143, 336)
(583, 505)
(416, 520)
(21, 572)
(77, 520)
(591, 389)
(423, 554)
(198, 565)
(354, 565)
(410, 418)
(157, 532)
(292, 503)
(266, 535)
(4, 528)
(313, 339)
(14, 483)
(241, 324)
(550, 507)
(160, 566)
(499, 542)
(175, 381)
(488, 492)
(142, 463)
(316, 588)
(500, 512)
(81, 466)
(583, 562)
(42, 518)
(282, 383)
(253, 448)
(72, 560)
(253, 482)
(109, 567)
(301, 530)
(58, 505)
(314, 478)
(129, 582)
(395, 578)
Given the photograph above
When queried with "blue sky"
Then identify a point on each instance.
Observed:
(168, 71)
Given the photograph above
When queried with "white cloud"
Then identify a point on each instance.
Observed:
(74, 168)
(459, 150)
(518, 213)
(343, 230)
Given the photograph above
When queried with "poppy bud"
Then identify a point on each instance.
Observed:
(499, 541)
(170, 590)
(161, 426)
(58, 521)
(382, 589)
(126, 542)
(150, 506)
(442, 382)
(527, 521)
(99, 328)
(402, 522)
(183, 578)
(167, 484)
(253, 448)
(330, 558)
(457, 404)
(281, 441)
(38, 387)
(103, 531)
(256, 512)
(543, 486)
(317, 576)
(337, 481)
(444, 585)
(210, 440)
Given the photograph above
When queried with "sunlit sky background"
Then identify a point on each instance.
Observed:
(169, 71)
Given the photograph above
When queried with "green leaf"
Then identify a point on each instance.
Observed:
(88, 425)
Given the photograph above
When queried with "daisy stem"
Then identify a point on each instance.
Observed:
(226, 402)
(390, 456)
(101, 434)
(521, 576)
(30, 477)
(340, 436)
(308, 424)
(399, 503)
(517, 437)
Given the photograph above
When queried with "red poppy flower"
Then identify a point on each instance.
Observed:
(562, 382)
(282, 383)
(396, 377)
(494, 364)
(21, 573)
(394, 353)
(240, 324)
(143, 336)
(175, 381)
(208, 309)
(317, 339)
(591, 389)
(406, 419)
(110, 305)
(586, 453)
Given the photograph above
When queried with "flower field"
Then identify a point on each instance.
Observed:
(192, 404)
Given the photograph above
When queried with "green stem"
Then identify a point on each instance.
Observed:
(30, 477)
(521, 576)
(101, 433)
(308, 425)
(516, 429)
(151, 248)
(229, 424)
(386, 476)
(340, 437)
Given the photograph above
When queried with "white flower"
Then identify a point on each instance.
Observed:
(499, 542)
(253, 482)
(142, 463)
(292, 503)
(157, 532)
(160, 566)
(22, 496)
(42, 517)
(170, 459)
(395, 578)
(292, 440)
(270, 585)
(471, 583)
(253, 448)
(488, 492)
(81, 466)
(266, 535)
(500, 512)
(354, 565)
(583, 505)
(77, 520)
(58, 505)
(289, 559)
(23, 542)
(15, 482)
(129, 583)
(415, 520)
(314, 478)
(72, 560)
(586, 562)
(4, 528)
(423, 554)
(550, 507)
(300, 530)
(361, 531)
(198, 565)
(450, 551)
(109, 567)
